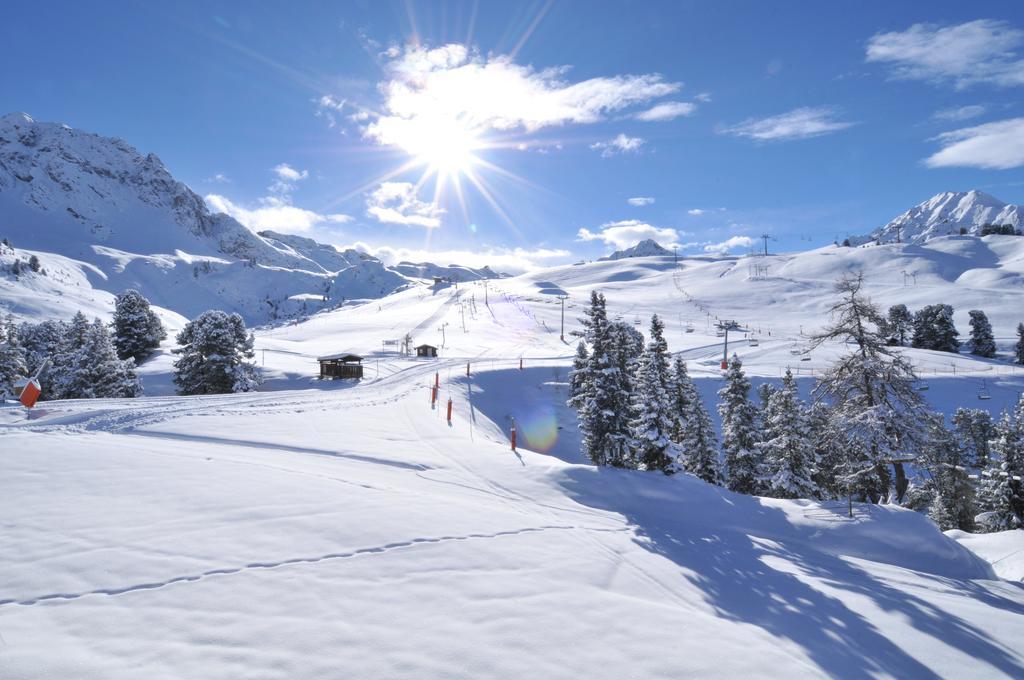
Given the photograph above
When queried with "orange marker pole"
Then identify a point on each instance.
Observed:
(433, 397)
(437, 380)
(449, 409)
(513, 435)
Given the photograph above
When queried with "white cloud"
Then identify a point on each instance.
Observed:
(703, 97)
(219, 178)
(455, 85)
(695, 212)
(667, 111)
(626, 233)
(273, 213)
(959, 113)
(799, 123)
(998, 145)
(640, 201)
(619, 144)
(287, 173)
(508, 260)
(729, 244)
(397, 203)
(980, 51)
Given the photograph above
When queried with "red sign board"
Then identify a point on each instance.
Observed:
(30, 394)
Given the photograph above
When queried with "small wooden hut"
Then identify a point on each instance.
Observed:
(345, 366)
(426, 351)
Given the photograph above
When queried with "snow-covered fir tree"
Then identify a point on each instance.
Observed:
(787, 453)
(216, 353)
(828, 459)
(12, 359)
(1018, 349)
(934, 329)
(579, 376)
(591, 398)
(652, 422)
(40, 342)
(899, 324)
(739, 438)
(693, 432)
(1002, 489)
(877, 413)
(624, 346)
(65, 358)
(981, 343)
(974, 430)
(952, 495)
(93, 369)
(137, 328)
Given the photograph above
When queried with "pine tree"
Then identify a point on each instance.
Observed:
(787, 451)
(1003, 485)
(137, 328)
(981, 343)
(952, 505)
(652, 422)
(12, 359)
(899, 323)
(1018, 349)
(624, 345)
(828, 458)
(216, 352)
(95, 371)
(65, 357)
(974, 430)
(934, 329)
(877, 413)
(693, 432)
(40, 342)
(579, 376)
(742, 462)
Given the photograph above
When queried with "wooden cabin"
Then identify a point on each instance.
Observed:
(426, 351)
(344, 366)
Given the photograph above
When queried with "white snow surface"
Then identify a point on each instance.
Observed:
(346, 530)
(1004, 550)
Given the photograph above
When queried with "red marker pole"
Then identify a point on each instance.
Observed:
(433, 397)
(520, 363)
(513, 435)
(437, 380)
(467, 370)
(449, 409)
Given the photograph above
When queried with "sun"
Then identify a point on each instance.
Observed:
(445, 145)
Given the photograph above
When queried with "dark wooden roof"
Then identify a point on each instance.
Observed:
(425, 345)
(345, 357)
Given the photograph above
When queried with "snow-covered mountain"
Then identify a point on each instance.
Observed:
(454, 272)
(646, 248)
(113, 218)
(947, 213)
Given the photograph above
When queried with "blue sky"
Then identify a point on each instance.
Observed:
(805, 120)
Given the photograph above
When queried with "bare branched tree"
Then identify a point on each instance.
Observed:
(877, 414)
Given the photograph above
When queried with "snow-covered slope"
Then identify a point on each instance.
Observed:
(947, 213)
(452, 272)
(1003, 550)
(348, 530)
(646, 248)
(97, 201)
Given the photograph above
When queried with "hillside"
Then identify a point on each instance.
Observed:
(113, 219)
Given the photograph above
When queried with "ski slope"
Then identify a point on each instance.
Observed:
(348, 530)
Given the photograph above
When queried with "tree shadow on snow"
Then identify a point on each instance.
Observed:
(762, 581)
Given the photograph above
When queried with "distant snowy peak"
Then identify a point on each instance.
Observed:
(646, 248)
(948, 213)
(454, 272)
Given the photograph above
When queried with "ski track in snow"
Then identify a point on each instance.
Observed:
(230, 571)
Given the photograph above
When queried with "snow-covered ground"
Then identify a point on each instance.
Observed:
(347, 530)
(1003, 550)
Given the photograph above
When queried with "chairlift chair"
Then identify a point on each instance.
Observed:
(983, 392)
